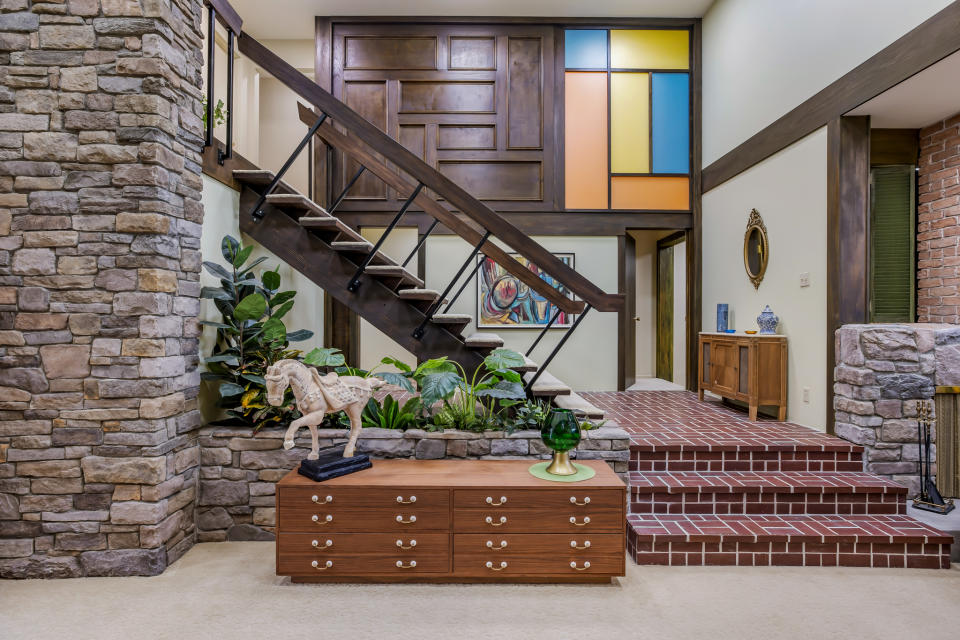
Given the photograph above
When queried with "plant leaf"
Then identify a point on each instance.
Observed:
(230, 389)
(252, 265)
(273, 329)
(281, 297)
(299, 335)
(271, 280)
(228, 359)
(242, 256)
(325, 358)
(229, 244)
(250, 308)
(210, 375)
(215, 293)
(283, 310)
(214, 269)
(439, 386)
(403, 366)
(503, 359)
(510, 375)
(218, 325)
(396, 379)
(252, 378)
(503, 389)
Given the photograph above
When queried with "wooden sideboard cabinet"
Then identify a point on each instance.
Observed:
(451, 521)
(749, 368)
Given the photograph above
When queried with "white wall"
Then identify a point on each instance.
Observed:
(762, 58)
(789, 191)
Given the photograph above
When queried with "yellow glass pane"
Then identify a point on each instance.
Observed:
(630, 123)
(649, 49)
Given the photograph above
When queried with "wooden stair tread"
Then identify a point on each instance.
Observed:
(356, 247)
(483, 341)
(451, 318)
(418, 294)
(547, 385)
(527, 366)
(260, 178)
(296, 201)
(578, 404)
(394, 271)
(329, 223)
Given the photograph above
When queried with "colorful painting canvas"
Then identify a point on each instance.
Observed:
(504, 302)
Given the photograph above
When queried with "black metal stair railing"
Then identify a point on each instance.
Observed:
(432, 310)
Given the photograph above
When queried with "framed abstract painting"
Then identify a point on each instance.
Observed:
(504, 302)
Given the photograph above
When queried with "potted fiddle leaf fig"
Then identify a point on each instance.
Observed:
(250, 337)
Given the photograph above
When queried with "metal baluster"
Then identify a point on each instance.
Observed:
(343, 194)
(553, 319)
(463, 286)
(257, 212)
(355, 281)
(556, 349)
(224, 155)
(211, 50)
(418, 332)
(420, 242)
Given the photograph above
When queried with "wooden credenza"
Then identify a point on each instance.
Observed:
(749, 368)
(451, 521)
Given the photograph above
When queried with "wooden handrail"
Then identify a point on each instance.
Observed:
(226, 15)
(399, 155)
(355, 150)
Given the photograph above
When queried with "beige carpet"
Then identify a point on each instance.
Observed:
(229, 591)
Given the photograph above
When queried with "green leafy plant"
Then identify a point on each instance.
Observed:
(219, 113)
(587, 425)
(390, 415)
(250, 337)
(524, 415)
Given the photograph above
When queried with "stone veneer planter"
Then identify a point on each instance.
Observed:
(239, 469)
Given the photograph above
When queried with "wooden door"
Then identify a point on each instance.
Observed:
(665, 312)
(725, 366)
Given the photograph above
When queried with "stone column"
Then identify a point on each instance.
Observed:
(99, 224)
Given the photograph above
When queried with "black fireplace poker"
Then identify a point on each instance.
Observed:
(929, 498)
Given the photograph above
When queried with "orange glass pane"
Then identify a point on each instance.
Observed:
(652, 192)
(585, 142)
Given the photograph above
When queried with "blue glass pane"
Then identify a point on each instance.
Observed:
(586, 49)
(671, 122)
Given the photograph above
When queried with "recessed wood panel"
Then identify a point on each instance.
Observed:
(447, 97)
(454, 137)
(585, 146)
(650, 193)
(496, 180)
(413, 137)
(468, 53)
(369, 99)
(524, 100)
(412, 52)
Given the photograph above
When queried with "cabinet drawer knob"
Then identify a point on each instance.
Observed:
(586, 565)
(410, 521)
(585, 545)
(410, 501)
(328, 499)
(489, 520)
(317, 519)
(586, 520)
(412, 544)
(489, 565)
(326, 565)
(316, 545)
(586, 501)
(490, 545)
(503, 500)
(412, 565)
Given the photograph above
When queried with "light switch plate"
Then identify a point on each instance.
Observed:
(806, 394)
(804, 279)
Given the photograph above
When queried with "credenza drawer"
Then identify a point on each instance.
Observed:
(538, 520)
(539, 544)
(355, 498)
(399, 519)
(526, 498)
(491, 564)
(362, 554)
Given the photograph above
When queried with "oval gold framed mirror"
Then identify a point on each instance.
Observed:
(756, 249)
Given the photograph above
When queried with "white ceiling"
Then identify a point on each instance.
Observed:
(293, 19)
(920, 100)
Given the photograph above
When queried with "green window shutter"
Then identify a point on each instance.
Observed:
(892, 244)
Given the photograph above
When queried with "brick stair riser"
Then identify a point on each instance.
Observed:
(735, 503)
(789, 554)
(826, 461)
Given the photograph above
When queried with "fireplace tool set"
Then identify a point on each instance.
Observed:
(929, 498)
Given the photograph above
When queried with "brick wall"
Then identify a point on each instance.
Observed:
(99, 257)
(938, 237)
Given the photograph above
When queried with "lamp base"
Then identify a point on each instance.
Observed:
(560, 464)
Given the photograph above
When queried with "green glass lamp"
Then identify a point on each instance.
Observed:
(561, 432)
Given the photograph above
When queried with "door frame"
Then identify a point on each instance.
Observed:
(664, 243)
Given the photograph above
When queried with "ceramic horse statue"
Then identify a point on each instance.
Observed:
(317, 396)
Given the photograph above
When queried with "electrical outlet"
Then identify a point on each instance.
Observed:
(804, 279)
(806, 394)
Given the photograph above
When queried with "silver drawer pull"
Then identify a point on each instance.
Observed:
(326, 565)
(410, 501)
(316, 545)
(574, 545)
(586, 565)
(489, 521)
(412, 565)
(586, 501)
(328, 499)
(573, 521)
(490, 545)
(412, 544)
(489, 565)
(317, 519)
(410, 521)
(503, 500)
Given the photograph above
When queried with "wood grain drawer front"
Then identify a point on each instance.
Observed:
(362, 554)
(538, 520)
(395, 520)
(507, 499)
(538, 545)
(491, 564)
(361, 498)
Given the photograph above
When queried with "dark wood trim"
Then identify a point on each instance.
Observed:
(627, 285)
(672, 239)
(341, 328)
(226, 15)
(224, 172)
(894, 146)
(930, 42)
(848, 233)
(573, 22)
(695, 232)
